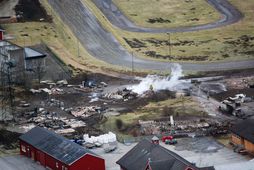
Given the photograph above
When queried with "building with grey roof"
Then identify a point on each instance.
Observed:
(56, 152)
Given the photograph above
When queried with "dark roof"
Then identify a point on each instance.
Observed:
(245, 129)
(55, 145)
(32, 54)
(160, 158)
(167, 165)
(162, 165)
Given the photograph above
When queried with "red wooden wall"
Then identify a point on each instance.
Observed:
(1, 35)
(87, 162)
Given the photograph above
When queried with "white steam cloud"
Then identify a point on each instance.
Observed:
(172, 82)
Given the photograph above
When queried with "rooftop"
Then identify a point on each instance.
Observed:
(158, 157)
(8, 45)
(31, 53)
(245, 129)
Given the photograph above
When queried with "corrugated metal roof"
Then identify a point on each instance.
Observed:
(31, 53)
(55, 145)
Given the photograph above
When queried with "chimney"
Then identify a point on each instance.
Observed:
(155, 140)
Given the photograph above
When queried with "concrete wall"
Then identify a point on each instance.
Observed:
(35, 63)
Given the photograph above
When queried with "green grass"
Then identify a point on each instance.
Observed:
(155, 110)
(176, 12)
(201, 47)
(61, 41)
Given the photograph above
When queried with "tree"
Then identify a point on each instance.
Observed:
(119, 124)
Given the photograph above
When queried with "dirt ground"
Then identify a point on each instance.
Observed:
(31, 10)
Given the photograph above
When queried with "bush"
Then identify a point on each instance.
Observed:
(119, 124)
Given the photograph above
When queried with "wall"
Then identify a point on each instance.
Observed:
(88, 162)
(19, 70)
(34, 64)
(41, 157)
(237, 140)
(249, 146)
(1, 35)
(53, 163)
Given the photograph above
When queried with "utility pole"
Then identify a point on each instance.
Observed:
(7, 90)
(169, 44)
(132, 64)
(78, 47)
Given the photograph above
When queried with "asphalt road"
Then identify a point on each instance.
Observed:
(7, 8)
(103, 45)
(228, 12)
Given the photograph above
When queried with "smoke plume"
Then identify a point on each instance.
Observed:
(157, 83)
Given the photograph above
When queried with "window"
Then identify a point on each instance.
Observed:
(23, 148)
(64, 168)
(56, 164)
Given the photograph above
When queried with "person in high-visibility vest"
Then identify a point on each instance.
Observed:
(151, 87)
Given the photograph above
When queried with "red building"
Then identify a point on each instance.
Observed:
(1, 34)
(58, 153)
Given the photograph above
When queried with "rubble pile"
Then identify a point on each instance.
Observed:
(200, 127)
(50, 120)
(86, 111)
(234, 105)
(240, 83)
(52, 91)
(124, 94)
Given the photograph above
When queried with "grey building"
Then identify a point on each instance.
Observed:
(19, 59)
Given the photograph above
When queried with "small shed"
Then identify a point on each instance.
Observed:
(58, 153)
(243, 135)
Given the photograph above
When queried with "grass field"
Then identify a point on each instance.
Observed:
(59, 38)
(180, 107)
(168, 13)
(232, 42)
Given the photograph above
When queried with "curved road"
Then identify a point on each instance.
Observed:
(104, 46)
(228, 12)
